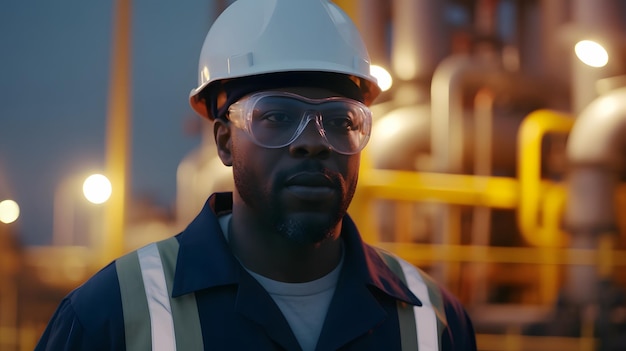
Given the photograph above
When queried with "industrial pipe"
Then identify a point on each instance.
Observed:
(419, 40)
(399, 137)
(447, 108)
(595, 151)
(372, 19)
(530, 136)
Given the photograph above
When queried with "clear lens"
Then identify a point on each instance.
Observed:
(276, 119)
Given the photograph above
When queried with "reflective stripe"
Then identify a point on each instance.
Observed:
(420, 326)
(134, 303)
(425, 318)
(161, 323)
(436, 299)
(142, 322)
(184, 308)
(406, 315)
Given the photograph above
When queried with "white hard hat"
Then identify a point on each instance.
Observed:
(254, 37)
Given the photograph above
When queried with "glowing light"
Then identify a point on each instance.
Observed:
(591, 53)
(97, 188)
(9, 211)
(384, 78)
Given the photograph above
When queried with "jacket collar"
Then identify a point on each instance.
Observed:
(205, 259)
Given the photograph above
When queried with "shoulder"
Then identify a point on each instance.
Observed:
(458, 333)
(98, 300)
(90, 317)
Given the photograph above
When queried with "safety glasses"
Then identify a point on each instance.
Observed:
(276, 119)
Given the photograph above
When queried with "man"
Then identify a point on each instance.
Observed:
(277, 264)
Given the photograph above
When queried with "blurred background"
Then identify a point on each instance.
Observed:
(496, 161)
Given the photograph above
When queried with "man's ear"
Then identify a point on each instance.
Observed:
(223, 140)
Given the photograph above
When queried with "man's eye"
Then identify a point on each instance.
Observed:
(277, 117)
(344, 123)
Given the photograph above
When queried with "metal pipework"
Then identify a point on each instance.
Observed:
(372, 18)
(419, 38)
(595, 153)
(447, 108)
(399, 137)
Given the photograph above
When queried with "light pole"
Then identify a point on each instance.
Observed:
(118, 132)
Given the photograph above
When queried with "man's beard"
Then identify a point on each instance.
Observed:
(300, 228)
(302, 233)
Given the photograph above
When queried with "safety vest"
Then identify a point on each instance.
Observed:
(175, 323)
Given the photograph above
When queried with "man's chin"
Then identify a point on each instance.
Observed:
(307, 229)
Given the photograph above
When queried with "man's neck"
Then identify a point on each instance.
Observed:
(264, 251)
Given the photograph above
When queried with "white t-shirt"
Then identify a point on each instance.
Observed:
(304, 305)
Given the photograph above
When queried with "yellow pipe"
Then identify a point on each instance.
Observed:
(606, 253)
(414, 252)
(530, 136)
(495, 342)
(361, 206)
(555, 197)
(403, 217)
(553, 207)
(455, 189)
(362, 212)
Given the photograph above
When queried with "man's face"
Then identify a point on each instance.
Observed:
(301, 191)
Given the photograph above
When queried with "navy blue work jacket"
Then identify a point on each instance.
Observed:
(236, 313)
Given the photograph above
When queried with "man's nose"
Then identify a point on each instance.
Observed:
(311, 142)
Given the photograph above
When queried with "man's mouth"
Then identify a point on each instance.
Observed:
(310, 186)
